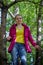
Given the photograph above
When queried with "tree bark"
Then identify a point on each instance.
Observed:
(38, 53)
(3, 32)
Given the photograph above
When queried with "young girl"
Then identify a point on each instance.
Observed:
(19, 37)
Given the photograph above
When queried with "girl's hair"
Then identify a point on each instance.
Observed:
(17, 15)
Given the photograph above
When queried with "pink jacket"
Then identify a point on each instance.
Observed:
(27, 38)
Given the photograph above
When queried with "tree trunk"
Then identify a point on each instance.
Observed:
(38, 53)
(3, 32)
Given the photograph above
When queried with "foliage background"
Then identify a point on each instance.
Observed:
(29, 14)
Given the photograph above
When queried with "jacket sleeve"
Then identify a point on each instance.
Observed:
(10, 34)
(32, 41)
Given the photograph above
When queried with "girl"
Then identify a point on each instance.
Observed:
(19, 37)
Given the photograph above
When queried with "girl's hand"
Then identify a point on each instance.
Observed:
(9, 38)
(38, 47)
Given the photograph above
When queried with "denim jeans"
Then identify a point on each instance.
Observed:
(19, 52)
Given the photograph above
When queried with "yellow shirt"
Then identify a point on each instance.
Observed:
(20, 35)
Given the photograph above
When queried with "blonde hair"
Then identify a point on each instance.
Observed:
(17, 15)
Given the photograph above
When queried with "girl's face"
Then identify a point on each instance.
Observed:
(18, 19)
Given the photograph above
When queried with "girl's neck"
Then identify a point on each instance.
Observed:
(19, 24)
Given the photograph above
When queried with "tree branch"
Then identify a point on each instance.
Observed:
(12, 3)
(11, 14)
(1, 4)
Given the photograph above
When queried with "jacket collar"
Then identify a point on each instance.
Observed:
(14, 25)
